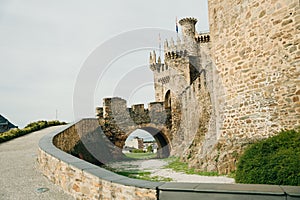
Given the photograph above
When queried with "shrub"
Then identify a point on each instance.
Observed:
(150, 149)
(42, 124)
(31, 127)
(138, 151)
(275, 160)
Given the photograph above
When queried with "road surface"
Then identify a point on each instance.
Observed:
(20, 178)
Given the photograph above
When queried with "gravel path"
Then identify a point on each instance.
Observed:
(19, 177)
(156, 167)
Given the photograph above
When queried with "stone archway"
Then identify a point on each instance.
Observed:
(118, 122)
(163, 143)
(164, 147)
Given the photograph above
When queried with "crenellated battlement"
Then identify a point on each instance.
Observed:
(188, 20)
(116, 106)
(187, 45)
(188, 27)
(157, 65)
(182, 48)
(202, 38)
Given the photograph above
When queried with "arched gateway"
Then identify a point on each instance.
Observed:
(118, 122)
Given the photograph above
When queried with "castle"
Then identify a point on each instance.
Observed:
(187, 83)
(220, 91)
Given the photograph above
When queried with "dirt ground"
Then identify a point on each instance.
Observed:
(156, 167)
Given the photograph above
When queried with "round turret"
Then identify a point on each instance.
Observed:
(188, 27)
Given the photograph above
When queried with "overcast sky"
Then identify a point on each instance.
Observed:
(45, 43)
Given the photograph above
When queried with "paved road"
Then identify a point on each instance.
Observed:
(19, 176)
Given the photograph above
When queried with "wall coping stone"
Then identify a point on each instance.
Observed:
(245, 189)
(293, 191)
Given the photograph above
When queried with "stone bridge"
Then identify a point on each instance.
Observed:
(118, 121)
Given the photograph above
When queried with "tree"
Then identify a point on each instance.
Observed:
(150, 149)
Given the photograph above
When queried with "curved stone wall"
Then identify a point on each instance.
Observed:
(84, 180)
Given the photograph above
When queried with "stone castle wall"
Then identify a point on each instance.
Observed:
(251, 62)
(174, 78)
(195, 86)
(255, 47)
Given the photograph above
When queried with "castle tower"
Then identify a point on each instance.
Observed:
(188, 27)
(189, 34)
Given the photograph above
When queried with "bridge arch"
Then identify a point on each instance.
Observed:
(160, 136)
(117, 121)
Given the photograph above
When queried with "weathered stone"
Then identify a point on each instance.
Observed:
(262, 13)
(292, 49)
(286, 22)
(269, 57)
(76, 188)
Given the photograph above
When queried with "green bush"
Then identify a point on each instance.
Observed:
(34, 126)
(42, 124)
(138, 151)
(275, 160)
(150, 149)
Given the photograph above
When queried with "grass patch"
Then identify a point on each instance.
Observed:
(158, 179)
(141, 155)
(133, 173)
(34, 126)
(232, 175)
(138, 174)
(143, 175)
(178, 166)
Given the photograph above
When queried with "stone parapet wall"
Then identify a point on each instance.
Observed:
(82, 179)
(79, 180)
(115, 110)
(71, 136)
